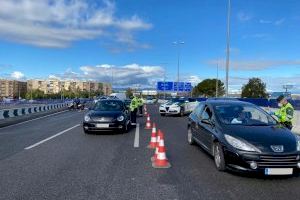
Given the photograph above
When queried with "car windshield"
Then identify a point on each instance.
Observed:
(247, 115)
(109, 106)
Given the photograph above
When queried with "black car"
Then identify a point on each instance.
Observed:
(243, 137)
(107, 115)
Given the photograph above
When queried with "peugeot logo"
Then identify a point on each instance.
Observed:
(277, 148)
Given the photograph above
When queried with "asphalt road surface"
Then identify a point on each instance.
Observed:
(51, 158)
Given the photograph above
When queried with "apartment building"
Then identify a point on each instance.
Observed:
(12, 88)
(107, 89)
(37, 85)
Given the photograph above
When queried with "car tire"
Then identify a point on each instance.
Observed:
(161, 114)
(219, 157)
(181, 114)
(86, 132)
(191, 140)
(126, 128)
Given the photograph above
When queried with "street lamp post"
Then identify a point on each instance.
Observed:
(163, 64)
(178, 43)
(217, 81)
(228, 46)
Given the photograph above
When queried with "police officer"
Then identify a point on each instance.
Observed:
(285, 113)
(133, 109)
(140, 102)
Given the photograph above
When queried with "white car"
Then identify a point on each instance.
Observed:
(178, 106)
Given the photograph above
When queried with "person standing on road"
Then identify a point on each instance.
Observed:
(133, 109)
(141, 103)
(285, 113)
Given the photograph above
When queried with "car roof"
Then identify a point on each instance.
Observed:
(110, 100)
(226, 102)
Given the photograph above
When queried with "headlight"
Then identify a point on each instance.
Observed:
(298, 142)
(120, 118)
(241, 145)
(87, 118)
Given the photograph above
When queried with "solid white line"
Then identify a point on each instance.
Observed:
(49, 138)
(34, 119)
(137, 136)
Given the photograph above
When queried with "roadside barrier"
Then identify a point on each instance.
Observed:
(10, 113)
(152, 143)
(148, 123)
(161, 160)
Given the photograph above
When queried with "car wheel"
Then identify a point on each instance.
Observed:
(219, 157)
(191, 140)
(126, 128)
(86, 132)
(181, 112)
(161, 114)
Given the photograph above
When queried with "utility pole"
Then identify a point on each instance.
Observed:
(217, 81)
(164, 78)
(89, 89)
(228, 46)
(178, 43)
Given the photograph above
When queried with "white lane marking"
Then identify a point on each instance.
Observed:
(137, 136)
(34, 119)
(53, 136)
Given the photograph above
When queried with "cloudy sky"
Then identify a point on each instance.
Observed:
(130, 42)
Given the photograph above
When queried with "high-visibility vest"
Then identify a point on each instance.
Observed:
(134, 104)
(140, 102)
(285, 113)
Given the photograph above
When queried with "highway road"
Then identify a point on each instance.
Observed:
(51, 158)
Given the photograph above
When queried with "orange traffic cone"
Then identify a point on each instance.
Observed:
(148, 123)
(152, 144)
(161, 161)
(153, 158)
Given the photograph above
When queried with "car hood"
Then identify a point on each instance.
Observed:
(109, 114)
(263, 137)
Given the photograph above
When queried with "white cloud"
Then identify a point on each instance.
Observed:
(256, 36)
(194, 79)
(279, 22)
(58, 23)
(17, 75)
(122, 76)
(254, 65)
(262, 21)
(276, 22)
(243, 17)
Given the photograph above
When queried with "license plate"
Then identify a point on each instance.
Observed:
(278, 171)
(102, 125)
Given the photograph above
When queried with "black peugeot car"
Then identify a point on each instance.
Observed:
(107, 115)
(243, 137)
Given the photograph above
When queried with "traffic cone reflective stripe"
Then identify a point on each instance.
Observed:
(161, 161)
(156, 148)
(153, 141)
(148, 123)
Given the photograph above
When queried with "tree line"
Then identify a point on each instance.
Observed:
(38, 94)
(255, 88)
